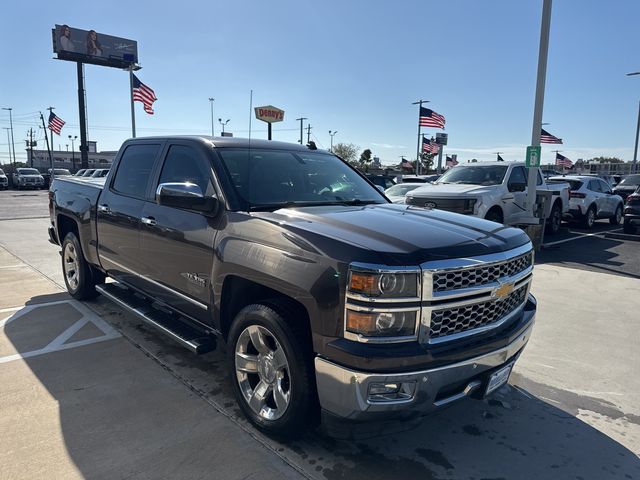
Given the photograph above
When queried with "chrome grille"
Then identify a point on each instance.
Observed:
(471, 277)
(449, 321)
(455, 205)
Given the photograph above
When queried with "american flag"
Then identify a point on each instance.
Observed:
(429, 147)
(55, 123)
(144, 94)
(563, 161)
(406, 164)
(451, 162)
(546, 137)
(429, 118)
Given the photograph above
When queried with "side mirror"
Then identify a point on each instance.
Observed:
(517, 187)
(186, 195)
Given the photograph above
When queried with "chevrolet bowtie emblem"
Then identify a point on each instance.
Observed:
(503, 291)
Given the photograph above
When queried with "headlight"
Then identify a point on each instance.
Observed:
(391, 284)
(469, 204)
(381, 324)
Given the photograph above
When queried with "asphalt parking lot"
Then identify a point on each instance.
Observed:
(86, 391)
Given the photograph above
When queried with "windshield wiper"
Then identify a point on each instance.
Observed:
(275, 206)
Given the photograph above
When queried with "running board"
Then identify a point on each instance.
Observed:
(196, 340)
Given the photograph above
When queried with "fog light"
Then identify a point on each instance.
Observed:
(383, 388)
(394, 392)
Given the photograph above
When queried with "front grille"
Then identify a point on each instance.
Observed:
(449, 204)
(470, 277)
(449, 321)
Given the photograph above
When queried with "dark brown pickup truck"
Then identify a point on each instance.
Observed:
(330, 298)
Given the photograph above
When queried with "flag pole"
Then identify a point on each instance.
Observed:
(419, 102)
(133, 111)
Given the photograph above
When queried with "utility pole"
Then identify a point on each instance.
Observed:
(31, 147)
(539, 102)
(51, 109)
(301, 119)
(9, 146)
(211, 100)
(13, 146)
(332, 135)
(419, 102)
(308, 133)
(84, 149)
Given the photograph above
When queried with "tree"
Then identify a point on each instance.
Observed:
(365, 156)
(605, 160)
(347, 151)
(427, 161)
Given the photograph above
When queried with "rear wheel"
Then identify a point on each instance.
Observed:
(555, 220)
(589, 217)
(79, 278)
(617, 217)
(271, 371)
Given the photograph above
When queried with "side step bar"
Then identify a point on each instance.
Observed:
(194, 339)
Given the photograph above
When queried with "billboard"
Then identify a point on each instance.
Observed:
(269, 114)
(88, 46)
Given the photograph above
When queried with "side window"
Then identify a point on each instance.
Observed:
(539, 178)
(604, 186)
(594, 186)
(183, 164)
(134, 170)
(517, 176)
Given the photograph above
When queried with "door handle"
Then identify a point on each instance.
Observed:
(149, 221)
(104, 209)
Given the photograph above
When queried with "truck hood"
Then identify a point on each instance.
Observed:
(401, 234)
(454, 190)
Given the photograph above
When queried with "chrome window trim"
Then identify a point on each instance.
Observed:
(438, 266)
(357, 337)
(377, 268)
(174, 292)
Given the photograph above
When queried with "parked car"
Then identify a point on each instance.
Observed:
(27, 178)
(627, 185)
(632, 212)
(591, 198)
(397, 193)
(384, 181)
(80, 172)
(547, 173)
(610, 179)
(419, 178)
(332, 301)
(59, 172)
(88, 172)
(100, 172)
(494, 191)
(4, 181)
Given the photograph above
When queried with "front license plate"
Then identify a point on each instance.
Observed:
(499, 378)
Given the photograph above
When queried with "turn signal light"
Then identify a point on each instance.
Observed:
(364, 283)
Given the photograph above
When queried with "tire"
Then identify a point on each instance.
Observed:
(270, 365)
(79, 278)
(494, 215)
(628, 228)
(617, 217)
(555, 220)
(589, 218)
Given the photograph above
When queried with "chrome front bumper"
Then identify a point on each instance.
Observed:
(345, 393)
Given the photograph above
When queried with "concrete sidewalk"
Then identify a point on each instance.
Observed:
(77, 400)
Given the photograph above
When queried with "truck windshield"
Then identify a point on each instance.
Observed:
(475, 175)
(269, 179)
(28, 171)
(630, 180)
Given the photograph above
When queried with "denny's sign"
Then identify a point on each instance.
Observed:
(269, 114)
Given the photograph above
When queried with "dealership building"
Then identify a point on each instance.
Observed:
(70, 159)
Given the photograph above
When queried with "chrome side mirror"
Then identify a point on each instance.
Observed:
(185, 195)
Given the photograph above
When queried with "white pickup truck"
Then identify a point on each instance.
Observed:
(494, 190)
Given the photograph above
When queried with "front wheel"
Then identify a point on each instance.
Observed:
(617, 217)
(79, 278)
(270, 364)
(494, 215)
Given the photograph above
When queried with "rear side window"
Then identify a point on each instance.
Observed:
(134, 170)
(183, 164)
(594, 186)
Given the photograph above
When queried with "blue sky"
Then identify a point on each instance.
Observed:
(350, 66)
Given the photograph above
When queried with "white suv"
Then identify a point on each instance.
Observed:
(591, 198)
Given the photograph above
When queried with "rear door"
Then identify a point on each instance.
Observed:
(119, 211)
(179, 243)
(600, 198)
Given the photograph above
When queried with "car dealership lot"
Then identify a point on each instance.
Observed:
(122, 400)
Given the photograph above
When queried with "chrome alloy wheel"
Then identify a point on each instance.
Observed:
(262, 372)
(71, 265)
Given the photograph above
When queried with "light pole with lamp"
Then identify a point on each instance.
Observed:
(635, 148)
(211, 100)
(332, 134)
(73, 152)
(13, 146)
(223, 124)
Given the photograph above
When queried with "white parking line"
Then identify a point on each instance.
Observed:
(580, 235)
(58, 343)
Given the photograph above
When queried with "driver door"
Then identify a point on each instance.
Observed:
(515, 199)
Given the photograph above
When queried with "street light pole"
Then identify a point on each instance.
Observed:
(332, 134)
(51, 109)
(9, 146)
(73, 152)
(13, 146)
(211, 100)
(223, 124)
(301, 119)
(635, 148)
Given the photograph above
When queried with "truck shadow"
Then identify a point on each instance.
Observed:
(514, 434)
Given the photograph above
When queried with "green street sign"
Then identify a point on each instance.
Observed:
(533, 157)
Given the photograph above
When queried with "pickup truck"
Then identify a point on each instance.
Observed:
(27, 178)
(334, 303)
(495, 191)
